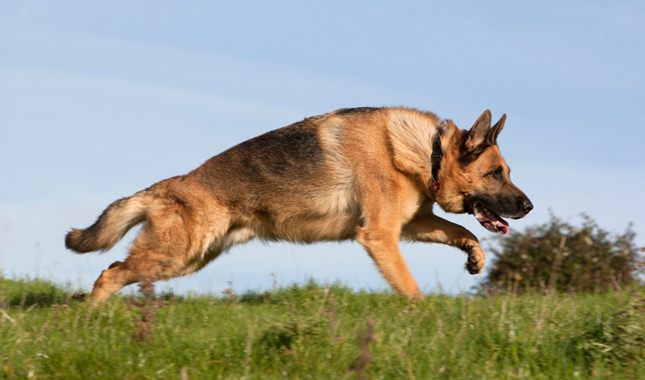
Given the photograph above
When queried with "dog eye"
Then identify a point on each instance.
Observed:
(497, 173)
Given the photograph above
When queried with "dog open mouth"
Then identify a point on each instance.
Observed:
(489, 219)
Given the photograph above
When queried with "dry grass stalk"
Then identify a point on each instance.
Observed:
(553, 278)
(364, 339)
(229, 292)
(148, 306)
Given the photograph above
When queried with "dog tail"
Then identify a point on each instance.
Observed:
(110, 227)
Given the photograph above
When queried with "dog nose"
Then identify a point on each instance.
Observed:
(527, 206)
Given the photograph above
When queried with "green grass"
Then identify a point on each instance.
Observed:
(310, 332)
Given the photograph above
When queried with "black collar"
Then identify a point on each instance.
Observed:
(435, 158)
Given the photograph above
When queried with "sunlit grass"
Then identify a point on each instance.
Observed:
(311, 331)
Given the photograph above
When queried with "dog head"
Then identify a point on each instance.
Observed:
(475, 179)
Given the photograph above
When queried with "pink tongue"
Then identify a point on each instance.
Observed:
(500, 227)
(490, 220)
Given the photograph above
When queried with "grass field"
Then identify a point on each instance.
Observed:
(317, 332)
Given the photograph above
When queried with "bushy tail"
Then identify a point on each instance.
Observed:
(115, 221)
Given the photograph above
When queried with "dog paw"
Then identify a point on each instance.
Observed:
(475, 263)
(78, 296)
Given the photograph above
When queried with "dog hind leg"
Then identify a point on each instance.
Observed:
(164, 249)
(141, 265)
(168, 248)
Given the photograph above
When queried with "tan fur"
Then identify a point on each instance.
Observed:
(361, 174)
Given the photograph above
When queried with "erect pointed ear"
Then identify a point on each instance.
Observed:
(497, 128)
(479, 132)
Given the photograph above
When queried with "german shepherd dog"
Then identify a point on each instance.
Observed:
(369, 174)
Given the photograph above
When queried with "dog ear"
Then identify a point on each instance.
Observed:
(497, 128)
(478, 134)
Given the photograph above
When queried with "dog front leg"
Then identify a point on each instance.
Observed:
(433, 229)
(383, 247)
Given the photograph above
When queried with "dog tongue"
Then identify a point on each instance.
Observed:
(491, 221)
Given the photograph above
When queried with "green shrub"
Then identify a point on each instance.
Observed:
(560, 256)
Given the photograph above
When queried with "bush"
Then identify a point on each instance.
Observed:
(559, 256)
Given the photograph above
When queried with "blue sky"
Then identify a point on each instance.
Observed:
(101, 99)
